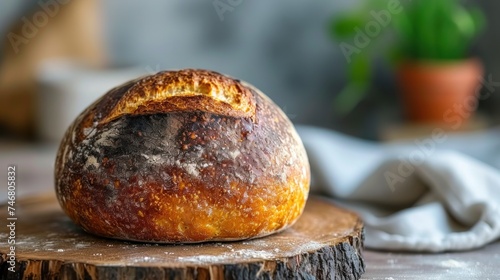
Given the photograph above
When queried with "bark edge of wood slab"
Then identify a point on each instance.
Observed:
(325, 243)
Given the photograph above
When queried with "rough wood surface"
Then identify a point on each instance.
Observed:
(325, 243)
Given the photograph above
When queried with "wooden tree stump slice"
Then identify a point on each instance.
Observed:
(325, 243)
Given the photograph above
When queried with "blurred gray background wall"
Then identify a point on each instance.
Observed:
(280, 46)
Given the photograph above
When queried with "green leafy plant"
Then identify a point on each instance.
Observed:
(434, 30)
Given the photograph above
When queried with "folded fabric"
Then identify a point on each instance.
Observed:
(436, 194)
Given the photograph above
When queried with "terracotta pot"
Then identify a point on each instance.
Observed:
(438, 92)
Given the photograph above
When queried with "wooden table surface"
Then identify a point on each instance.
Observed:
(325, 241)
(482, 264)
(35, 176)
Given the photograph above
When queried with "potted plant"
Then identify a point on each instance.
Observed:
(436, 76)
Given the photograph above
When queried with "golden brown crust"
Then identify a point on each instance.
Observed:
(185, 90)
(186, 175)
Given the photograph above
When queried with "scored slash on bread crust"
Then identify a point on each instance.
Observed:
(174, 91)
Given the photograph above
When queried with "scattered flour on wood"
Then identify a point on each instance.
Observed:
(239, 254)
(265, 251)
(453, 264)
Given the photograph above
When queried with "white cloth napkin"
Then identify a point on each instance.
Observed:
(436, 194)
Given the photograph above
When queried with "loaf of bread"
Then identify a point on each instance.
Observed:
(182, 156)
